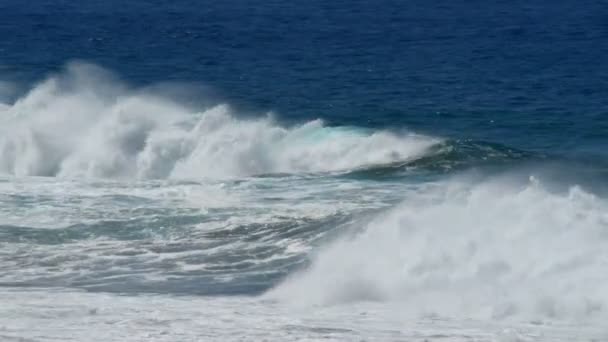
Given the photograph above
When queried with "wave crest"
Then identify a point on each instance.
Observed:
(494, 249)
(84, 123)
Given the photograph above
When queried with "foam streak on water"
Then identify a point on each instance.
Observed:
(51, 315)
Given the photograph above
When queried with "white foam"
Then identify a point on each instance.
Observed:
(52, 315)
(83, 123)
(495, 249)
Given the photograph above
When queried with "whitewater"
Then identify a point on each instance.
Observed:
(129, 215)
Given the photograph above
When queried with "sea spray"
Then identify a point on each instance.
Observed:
(493, 249)
(84, 123)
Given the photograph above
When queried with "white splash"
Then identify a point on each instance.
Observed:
(490, 250)
(84, 123)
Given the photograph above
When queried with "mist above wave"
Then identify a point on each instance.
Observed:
(85, 123)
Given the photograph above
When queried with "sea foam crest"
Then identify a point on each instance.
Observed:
(83, 123)
(494, 249)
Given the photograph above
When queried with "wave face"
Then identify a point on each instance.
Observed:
(84, 123)
(492, 249)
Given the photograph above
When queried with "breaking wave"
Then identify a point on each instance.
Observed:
(84, 123)
(494, 249)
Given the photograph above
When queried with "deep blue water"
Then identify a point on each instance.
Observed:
(526, 74)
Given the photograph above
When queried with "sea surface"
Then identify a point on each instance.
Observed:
(245, 170)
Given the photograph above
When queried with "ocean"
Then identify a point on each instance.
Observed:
(247, 170)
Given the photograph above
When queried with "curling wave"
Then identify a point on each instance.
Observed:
(83, 123)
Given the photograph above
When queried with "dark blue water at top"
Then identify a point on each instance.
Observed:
(528, 74)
